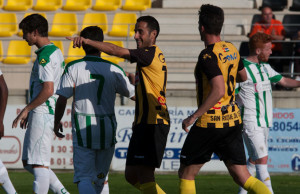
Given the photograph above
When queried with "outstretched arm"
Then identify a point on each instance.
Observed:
(3, 102)
(105, 47)
(289, 83)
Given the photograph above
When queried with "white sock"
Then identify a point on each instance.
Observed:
(5, 181)
(251, 168)
(86, 186)
(55, 185)
(105, 189)
(263, 175)
(41, 180)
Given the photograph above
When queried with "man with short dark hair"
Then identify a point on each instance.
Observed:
(152, 123)
(93, 83)
(39, 113)
(217, 121)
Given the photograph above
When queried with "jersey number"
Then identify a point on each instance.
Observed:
(100, 87)
(230, 83)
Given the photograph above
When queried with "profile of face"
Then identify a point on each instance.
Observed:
(29, 37)
(143, 36)
(265, 52)
(267, 15)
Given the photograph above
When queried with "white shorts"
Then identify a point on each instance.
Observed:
(38, 139)
(256, 140)
(91, 164)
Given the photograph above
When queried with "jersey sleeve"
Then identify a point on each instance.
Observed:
(143, 56)
(123, 86)
(209, 63)
(274, 76)
(241, 65)
(66, 85)
(46, 71)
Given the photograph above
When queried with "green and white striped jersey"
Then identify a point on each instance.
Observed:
(93, 83)
(48, 67)
(255, 94)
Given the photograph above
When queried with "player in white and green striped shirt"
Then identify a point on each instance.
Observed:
(255, 98)
(93, 83)
(39, 113)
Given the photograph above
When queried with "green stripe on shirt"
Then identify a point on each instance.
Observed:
(88, 132)
(78, 134)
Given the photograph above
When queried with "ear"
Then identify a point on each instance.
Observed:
(154, 33)
(257, 51)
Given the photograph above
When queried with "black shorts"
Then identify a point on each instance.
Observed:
(201, 143)
(147, 145)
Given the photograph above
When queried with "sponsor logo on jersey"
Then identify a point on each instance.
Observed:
(230, 57)
(161, 57)
(101, 175)
(206, 56)
(161, 100)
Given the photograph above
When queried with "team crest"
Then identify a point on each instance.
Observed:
(43, 61)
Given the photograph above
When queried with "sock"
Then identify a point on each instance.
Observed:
(252, 170)
(55, 185)
(137, 185)
(5, 181)
(255, 186)
(187, 186)
(86, 186)
(151, 188)
(263, 175)
(105, 189)
(41, 180)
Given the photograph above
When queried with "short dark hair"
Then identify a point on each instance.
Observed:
(152, 23)
(92, 33)
(34, 22)
(211, 18)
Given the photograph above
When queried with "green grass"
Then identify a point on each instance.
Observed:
(205, 183)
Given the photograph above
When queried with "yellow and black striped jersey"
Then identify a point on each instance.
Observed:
(150, 86)
(221, 58)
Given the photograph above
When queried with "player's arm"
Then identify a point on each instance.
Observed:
(289, 83)
(105, 47)
(131, 78)
(59, 112)
(241, 74)
(3, 102)
(46, 92)
(216, 93)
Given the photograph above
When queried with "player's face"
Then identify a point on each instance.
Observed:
(267, 15)
(29, 37)
(143, 36)
(265, 52)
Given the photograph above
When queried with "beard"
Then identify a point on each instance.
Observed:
(263, 58)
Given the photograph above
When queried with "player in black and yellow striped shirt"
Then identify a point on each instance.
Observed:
(151, 125)
(218, 122)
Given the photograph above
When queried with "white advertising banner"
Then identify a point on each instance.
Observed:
(62, 150)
